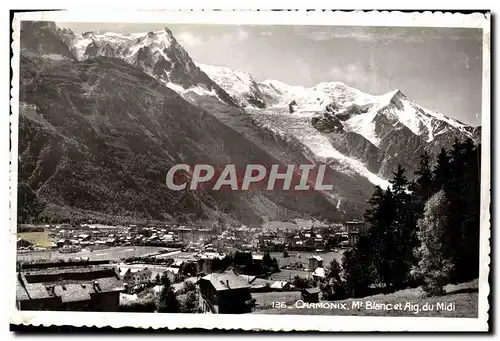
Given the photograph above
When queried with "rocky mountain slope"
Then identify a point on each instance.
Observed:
(241, 85)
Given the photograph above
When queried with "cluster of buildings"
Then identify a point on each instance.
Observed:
(97, 285)
(68, 238)
(68, 286)
(231, 293)
(235, 238)
(318, 238)
(94, 235)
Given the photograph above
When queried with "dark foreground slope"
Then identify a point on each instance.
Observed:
(97, 137)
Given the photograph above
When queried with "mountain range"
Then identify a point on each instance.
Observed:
(104, 116)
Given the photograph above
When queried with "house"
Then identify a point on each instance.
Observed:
(156, 275)
(310, 295)
(85, 237)
(177, 264)
(68, 287)
(355, 226)
(318, 274)
(225, 293)
(21, 242)
(136, 276)
(249, 278)
(173, 274)
(111, 241)
(177, 286)
(205, 260)
(354, 229)
(315, 262)
(353, 237)
(258, 259)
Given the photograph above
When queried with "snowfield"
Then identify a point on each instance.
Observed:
(280, 122)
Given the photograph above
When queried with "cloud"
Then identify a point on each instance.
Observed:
(363, 76)
(384, 35)
(354, 74)
(329, 35)
(188, 39)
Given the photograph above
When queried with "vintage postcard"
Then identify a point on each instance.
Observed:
(251, 170)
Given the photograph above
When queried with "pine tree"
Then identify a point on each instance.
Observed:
(441, 171)
(167, 302)
(267, 260)
(457, 172)
(404, 230)
(359, 272)
(464, 189)
(332, 287)
(191, 303)
(434, 267)
(165, 281)
(470, 228)
(379, 251)
(422, 187)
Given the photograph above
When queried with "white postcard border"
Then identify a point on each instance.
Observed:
(256, 321)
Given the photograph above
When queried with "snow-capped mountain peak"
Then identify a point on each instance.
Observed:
(239, 84)
(349, 126)
(331, 114)
(129, 47)
(155, 52)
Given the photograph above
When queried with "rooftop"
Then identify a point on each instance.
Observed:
(319, 272)
(312, 291)
(67, 290)
(279, 284)
(226, 281)
(69, 274)
(257, 257)
(175, 271)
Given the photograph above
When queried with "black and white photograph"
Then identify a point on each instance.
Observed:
(253, 170)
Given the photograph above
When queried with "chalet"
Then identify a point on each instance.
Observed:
(84, 237)
(281, 285)
(315, 262)
(21, 242)
(258, 259)
(205, 260)
(111, 241)
(353, 237)
(178, 264)
(225, 293)
(318, 274)
(73, 287)
(310, 295)
(173, 274)
(355, 226)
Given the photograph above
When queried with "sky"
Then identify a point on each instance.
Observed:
(437, 68)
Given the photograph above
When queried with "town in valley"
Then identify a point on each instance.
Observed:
(118, 268)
